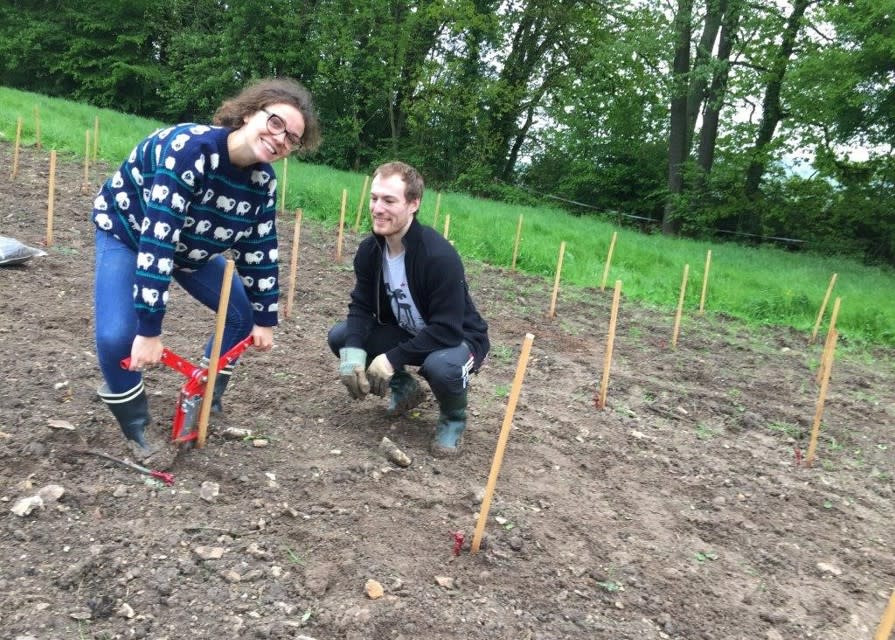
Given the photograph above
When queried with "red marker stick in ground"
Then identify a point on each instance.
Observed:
(459, 538)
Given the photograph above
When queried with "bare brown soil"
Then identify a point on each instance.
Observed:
(677, 512)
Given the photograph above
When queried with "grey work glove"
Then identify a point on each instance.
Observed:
(352, 362)
(380, 373)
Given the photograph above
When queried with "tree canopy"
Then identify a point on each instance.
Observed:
(699, 117)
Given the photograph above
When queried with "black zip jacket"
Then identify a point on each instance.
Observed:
(438, 286)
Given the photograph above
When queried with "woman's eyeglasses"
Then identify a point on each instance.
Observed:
(276, 125)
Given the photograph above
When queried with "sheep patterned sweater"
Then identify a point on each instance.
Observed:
(177, 201)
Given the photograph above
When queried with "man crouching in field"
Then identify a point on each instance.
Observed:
(410, 307)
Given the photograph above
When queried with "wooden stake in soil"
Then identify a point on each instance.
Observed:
(447, 226)
(15, 152)
(502, 442)
(562, 251)
(826, 352)
(341, 225)
(516, 243)
(821, 398)
(705, 281)
(610, 341)
(608, 261)
(823, 307)
(293, 267)
(86, 186)
(205, 410)
(437, 209)
(888, 621)
(360, 203)
(51, 198)
(680, 308)
(37, 126)
(285, 182)
(95, 137)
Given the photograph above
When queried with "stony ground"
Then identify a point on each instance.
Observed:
(679, 511)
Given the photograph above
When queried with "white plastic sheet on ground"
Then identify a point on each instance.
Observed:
(14, 252)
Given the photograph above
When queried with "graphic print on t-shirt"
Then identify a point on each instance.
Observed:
(401, 308)
(406, 312)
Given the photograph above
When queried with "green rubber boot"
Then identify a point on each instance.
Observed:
(406, 393)
(450, 428)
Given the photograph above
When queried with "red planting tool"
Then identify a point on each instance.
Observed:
(189, 400)
(164, 476)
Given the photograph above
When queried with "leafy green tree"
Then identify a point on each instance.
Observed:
(370, 61)
(606, 141)
(97, 52)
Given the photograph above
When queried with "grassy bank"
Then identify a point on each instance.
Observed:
(757, 285)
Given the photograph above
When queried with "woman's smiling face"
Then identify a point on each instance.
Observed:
(271, 133)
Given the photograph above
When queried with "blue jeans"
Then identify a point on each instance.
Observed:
(446, 370)
(116, 319)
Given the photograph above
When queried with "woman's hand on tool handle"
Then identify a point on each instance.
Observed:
(262, 337)
(145, 351)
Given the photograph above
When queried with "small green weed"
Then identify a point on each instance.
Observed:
(881, 476)
(705, 432)
(834, 445)
(609, 586)
(293, 557)
(504, 522)
(790, 430)
(857, 460)
(502, 353)
(256, 436)
(869, 398)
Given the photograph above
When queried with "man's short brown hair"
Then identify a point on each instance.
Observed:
(413, 181)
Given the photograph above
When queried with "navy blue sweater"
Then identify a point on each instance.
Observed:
(178, 201)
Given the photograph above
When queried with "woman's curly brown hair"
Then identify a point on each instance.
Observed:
(253, 98)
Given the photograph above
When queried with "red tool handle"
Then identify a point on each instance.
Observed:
(187, 368)
(194, 387)
(235, 351)
(174, 361)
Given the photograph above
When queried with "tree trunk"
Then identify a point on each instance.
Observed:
(714, 14)
(520, 138)
(771, 112)
(708, 136)
(677, 137)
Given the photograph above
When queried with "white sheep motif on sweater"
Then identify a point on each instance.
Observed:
(178, 202)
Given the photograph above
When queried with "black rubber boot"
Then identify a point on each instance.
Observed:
(220, 385)
(450, 428)
(131, 409)
(406, 393)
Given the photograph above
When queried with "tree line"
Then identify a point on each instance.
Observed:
(696, 117)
